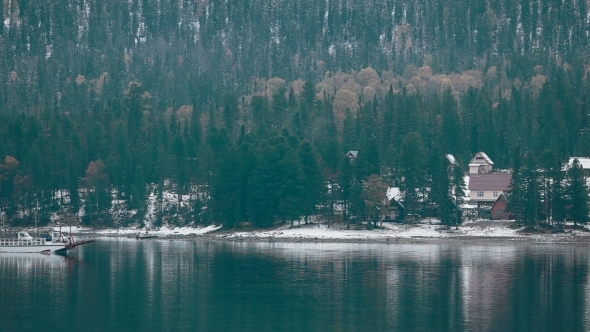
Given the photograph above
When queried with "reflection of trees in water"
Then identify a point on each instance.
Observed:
(550, 281)
(380, 287)
(305, 286)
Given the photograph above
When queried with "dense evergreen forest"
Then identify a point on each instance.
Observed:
(245, 109)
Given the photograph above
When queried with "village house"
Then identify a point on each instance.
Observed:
(481, 164)
(584, 164)
(485, 184)
(352, 155)
(395, 209)
(499, 209)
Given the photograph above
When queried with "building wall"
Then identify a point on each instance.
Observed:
(479, 169)
(394, 212)
(500, 210)
(488, 195)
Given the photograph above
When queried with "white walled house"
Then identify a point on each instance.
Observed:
(486, 188)
(485, 185)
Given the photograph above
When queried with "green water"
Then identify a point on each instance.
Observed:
(163, 285)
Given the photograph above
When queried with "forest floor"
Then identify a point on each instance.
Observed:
(426, 231)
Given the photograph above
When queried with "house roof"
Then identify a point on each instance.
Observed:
(395, 193)
(352, 154)
(584, 162)
(481, 158)
(490, 181)
(502, 197)
(451, 159)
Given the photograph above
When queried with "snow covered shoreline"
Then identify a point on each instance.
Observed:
(473, 232)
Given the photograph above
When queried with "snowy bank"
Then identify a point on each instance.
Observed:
(396, 232)
(427, 230)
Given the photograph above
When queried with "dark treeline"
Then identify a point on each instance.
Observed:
(280, 156)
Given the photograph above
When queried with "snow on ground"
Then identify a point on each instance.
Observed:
(187, 230)
(427, 229)
(162, 231)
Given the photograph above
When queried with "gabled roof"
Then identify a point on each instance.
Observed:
(451, 159)
(395, 193)
(490, 181)
(481, 159)
(502, 197)
(584, 162)
(352, 154)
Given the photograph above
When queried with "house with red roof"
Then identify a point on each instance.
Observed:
(485, 184)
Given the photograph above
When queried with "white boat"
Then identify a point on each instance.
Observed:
(56, 242)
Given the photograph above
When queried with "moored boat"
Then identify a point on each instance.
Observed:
(55, 242)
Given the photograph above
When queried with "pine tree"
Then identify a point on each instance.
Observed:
(347, 182)
(442, 189)
(292, 193)
(97, 184)
(266, 184)
(225, 190)
(412, 175)
(578, 193)
(525, 201)
(357, 203)
(230, 112)
(332, 157)
(179, 153)
(550, 184)
(451, 127)
(458, 186)
(559, 201)
(280, 105)
(138, 192)
(374, 195)
(314, 181)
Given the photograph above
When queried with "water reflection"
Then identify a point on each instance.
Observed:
(124, 284)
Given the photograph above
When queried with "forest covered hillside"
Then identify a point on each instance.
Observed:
(72, 52)
(248, 107)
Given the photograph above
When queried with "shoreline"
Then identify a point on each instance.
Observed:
(500, 233)
(413, 240)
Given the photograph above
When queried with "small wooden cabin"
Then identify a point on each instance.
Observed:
(500, 208)
(395, 211)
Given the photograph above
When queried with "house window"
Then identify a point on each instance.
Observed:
(495, 194)
(480, 194)
(392, 214)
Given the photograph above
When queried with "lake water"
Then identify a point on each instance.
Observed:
(164, 285)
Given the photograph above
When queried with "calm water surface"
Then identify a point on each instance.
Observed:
(163, 285)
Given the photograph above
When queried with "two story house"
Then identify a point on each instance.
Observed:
(485, 184)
